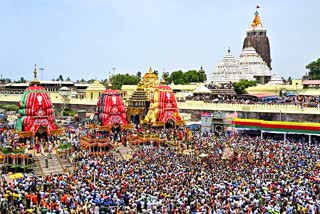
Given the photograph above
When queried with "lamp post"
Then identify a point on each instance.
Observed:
(41, 69)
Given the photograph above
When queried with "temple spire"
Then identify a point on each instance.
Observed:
(256, 21)
(150, 70)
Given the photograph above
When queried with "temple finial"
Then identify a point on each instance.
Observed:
(150, 70)
(35, 81)
(229, 51)
(256, 21)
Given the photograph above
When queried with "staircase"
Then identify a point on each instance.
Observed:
(54, 165)
(125, 151)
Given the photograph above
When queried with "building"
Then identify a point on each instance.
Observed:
(249, 66)
(94, 91)
(257, 39)
(254, 62)
(52, 87)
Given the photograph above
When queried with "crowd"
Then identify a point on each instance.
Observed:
(207, 175)
(307, 101)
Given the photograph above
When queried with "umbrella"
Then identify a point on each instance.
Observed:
(16, 176)
(203, 155)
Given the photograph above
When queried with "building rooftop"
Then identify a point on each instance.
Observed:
(311, 82)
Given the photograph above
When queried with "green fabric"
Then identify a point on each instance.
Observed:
(24, 99)
(22, 111)
(18, 125)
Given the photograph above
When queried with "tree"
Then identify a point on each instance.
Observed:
(166, 77)
(124, 79)
(289, 81)
(91, 81)
(139, 74)
(60, 78)
(156, 72)
(68, 79)
(191, 76)
(314, 69)
(241, 86)
(177, 77)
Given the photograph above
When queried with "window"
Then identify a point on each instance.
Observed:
(91, 95)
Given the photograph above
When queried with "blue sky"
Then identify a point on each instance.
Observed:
(87, 38)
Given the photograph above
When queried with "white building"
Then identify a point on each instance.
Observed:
(249, 66)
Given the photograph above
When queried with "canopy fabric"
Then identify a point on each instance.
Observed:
(277, 126)
(201, 89)
(16, 176)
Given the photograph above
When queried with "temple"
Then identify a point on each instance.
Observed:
(249, 66)
(110, 108)
(139, 102)
(36, 115)
(257, 39)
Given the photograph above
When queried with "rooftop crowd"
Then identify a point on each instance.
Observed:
(204, 174)
(307, 101)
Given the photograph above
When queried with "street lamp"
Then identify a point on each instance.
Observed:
(41, 69)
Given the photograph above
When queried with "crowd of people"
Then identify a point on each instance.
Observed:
(204, 174)
(306, 101)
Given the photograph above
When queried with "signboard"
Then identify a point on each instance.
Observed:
(206, 120)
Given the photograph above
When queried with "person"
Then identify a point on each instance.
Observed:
(49, 149)
(47, 163)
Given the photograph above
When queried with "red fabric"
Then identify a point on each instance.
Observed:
(111, 109)
(167, 104)
(39, 111)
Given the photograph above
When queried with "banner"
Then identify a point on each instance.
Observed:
(206, 120)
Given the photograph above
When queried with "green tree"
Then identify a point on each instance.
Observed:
(191, 76)
(314, 69)
(156, 72)
(60, 78)
(177, 77)
(139, 74)
(124, 79)
(241, 86)
(68, 79)
(91, 81)
(289, 81)
(166, 77)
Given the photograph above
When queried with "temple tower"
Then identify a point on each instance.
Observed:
(257, 39)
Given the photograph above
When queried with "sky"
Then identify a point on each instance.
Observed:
(92, 38)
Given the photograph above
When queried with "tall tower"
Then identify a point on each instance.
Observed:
(257, 39)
